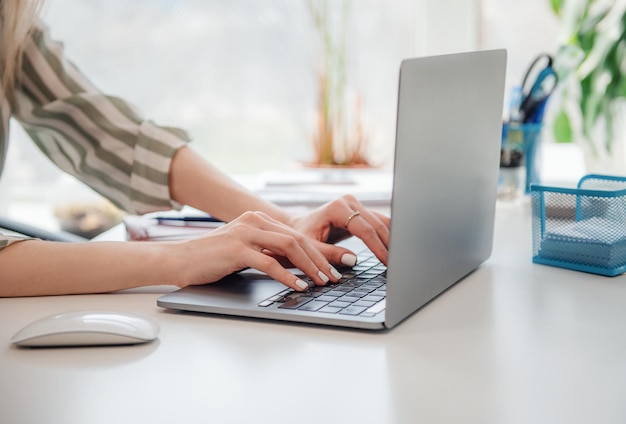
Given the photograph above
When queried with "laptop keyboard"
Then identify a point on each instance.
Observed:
(361, 291)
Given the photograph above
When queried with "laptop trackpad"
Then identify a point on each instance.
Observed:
(242, 290)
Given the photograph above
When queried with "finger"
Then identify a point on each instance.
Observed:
(378, 220)
(275, 270)
(284, 241)
(363, 230)
(371, 227)
(385, 219)
(370, 219)
(272, 244)
(337, 254)
(302, 254)
(350, 208)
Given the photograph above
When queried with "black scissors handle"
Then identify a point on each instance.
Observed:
(535, 94)
(535, 68)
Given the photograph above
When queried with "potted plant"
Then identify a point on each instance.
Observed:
(338, 138)
(591, 63)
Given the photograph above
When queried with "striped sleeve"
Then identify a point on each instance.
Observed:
(100, 139)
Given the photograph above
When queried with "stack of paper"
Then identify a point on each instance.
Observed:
(595, 241)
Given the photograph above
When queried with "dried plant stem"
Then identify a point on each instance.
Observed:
(332, 140)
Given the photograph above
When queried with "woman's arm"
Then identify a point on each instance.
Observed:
(194, 182)
(36, 267)
(197, 183)
(253, 240)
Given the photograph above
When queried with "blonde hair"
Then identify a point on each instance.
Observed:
(17, 18)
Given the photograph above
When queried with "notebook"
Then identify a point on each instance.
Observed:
(447, 149)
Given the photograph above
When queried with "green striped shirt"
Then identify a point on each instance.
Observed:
(99, 139)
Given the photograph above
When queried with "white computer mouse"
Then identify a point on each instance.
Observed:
(87, 328)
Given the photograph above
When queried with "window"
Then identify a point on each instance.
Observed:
(240, 75)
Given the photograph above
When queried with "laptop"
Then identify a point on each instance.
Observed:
(447, 150)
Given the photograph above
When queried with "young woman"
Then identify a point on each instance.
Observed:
(142, 167)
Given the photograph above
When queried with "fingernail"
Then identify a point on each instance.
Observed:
(335, 273)
(348, 259)
(303, 285)
(323, 277)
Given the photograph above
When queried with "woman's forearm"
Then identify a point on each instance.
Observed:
(35, 267)
(195, 182)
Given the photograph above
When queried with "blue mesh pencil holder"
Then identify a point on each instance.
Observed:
(581, 228)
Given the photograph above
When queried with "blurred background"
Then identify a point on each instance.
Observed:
(243, 76)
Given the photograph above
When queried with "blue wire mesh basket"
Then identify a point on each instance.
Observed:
(581, 228)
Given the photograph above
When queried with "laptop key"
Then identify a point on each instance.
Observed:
(330, 309)
(379, 307)
(320, 289)
(295, 303)
(335, 293)
(364, 303)
(361, 280)
(327, 298)
(355, 294)
(364, 289)
(352, 310)
(339, 304)
(343, 289)
(312, 306)
(360, 268)
(373, 298)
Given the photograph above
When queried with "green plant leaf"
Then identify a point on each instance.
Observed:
(556, 6)
(562, 128)
(598, 29)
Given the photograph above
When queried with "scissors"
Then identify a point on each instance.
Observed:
(538, 84)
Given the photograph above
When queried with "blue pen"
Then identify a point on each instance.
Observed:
(537, 116)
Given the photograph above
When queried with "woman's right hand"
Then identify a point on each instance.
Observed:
(253, 240)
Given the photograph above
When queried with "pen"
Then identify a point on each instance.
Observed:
(194, 221)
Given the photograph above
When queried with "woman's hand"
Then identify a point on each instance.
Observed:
(341, 218)
(254, 240)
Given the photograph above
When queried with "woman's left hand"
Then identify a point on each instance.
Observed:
(338, 220)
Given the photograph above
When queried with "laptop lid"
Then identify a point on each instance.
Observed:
(443, 201)
(445, 177)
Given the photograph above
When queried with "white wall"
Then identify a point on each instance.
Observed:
(525, 28)
(446, 26)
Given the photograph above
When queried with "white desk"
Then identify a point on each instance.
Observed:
(512, 343)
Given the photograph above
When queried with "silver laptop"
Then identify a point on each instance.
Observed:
(449, 121)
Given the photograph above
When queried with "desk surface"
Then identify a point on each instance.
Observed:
(512, 343)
